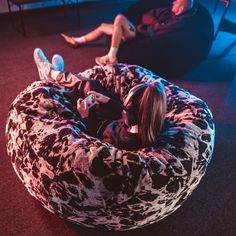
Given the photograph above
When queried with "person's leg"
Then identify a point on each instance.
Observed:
(54, 71)
(43, 65)
(123, 30)
(103, 29)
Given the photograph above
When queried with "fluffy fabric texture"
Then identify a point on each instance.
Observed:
(94, 184)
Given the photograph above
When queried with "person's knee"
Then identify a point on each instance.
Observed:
(102, 26)
(119, 20)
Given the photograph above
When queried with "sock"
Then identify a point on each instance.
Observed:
(80, 40)
(112, 53)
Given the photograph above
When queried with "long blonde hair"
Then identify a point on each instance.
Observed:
(151, 113)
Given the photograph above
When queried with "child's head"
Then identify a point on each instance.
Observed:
(145, 106)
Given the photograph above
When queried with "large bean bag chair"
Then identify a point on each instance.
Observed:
(173, 54)
(94, 184)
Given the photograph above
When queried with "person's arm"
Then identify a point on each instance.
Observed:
(150, 21)
(109, 109)
(173, 22)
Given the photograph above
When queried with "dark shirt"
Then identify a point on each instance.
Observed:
(103, 119)
(104, 123)
(116, 133)
(101, 115)
(161, 21)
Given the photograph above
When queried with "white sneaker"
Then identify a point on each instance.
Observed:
(58, 63)
(43, 65)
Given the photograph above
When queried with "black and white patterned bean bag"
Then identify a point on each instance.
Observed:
(94, 184)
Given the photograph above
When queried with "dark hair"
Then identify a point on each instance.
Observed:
(151, 113)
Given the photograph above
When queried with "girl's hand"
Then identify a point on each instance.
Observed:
(99, 97)
(82, 108)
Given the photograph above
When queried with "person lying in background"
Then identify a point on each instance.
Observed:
(157, 22)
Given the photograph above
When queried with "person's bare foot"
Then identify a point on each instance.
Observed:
(70, 40)
(104, 60)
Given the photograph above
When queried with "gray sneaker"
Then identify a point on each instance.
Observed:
(43, 65)
(58, 63)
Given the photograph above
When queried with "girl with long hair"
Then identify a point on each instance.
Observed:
(142, 120)
(135, 123)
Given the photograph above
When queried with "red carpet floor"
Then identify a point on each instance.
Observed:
(210, 211)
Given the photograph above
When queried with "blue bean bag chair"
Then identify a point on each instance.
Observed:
(94, 184)
(171, 55)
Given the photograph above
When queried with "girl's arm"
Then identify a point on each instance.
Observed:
(109, 108)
